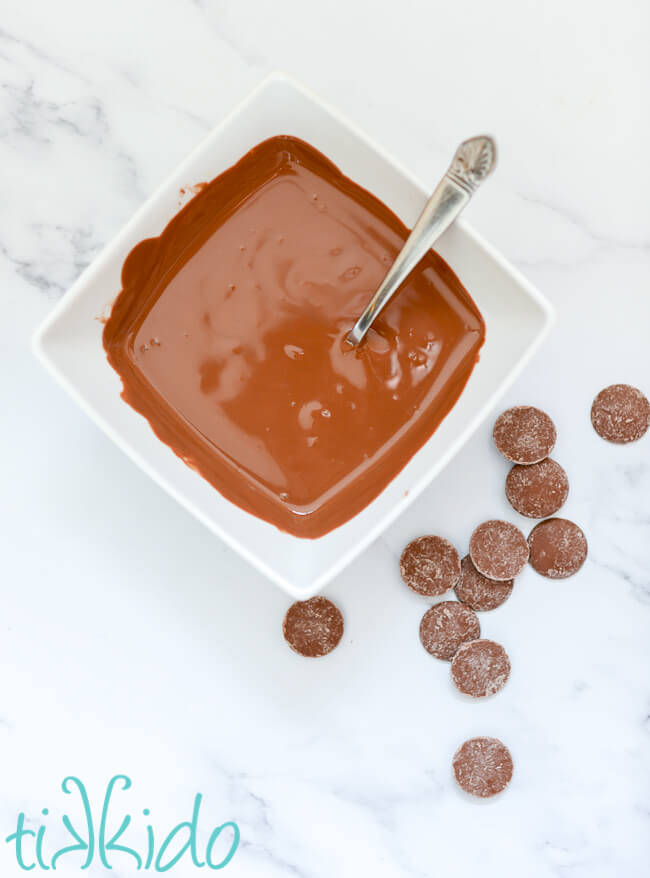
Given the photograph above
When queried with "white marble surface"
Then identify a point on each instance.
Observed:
(133, 641)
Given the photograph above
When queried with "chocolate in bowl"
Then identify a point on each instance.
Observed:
(228, 333)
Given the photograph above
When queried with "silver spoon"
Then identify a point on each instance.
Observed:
(473, 161)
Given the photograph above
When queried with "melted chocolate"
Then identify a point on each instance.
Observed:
(228, 336)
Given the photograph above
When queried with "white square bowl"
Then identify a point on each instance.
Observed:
(69, 343)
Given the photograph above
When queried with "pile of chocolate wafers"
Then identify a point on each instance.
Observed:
(536, 487)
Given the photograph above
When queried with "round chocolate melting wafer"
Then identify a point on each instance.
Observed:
(538, 490)
(483, 767)
(524, 434)
(480, 668)
(314, 627)
(430, 566)
(620, 413)
(479, 592)
(558, 548)
(498, 550)
(445, 626)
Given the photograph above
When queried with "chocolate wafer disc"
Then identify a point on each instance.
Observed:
(498, 550)
(620, 413)
(524, 434)
(430, 566)
(479, 592)
(480, 668)
(314, 627)
(483, 767)
(538, 490)
(558, 548)
(445, 626)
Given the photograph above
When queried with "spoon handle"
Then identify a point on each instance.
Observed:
(473, 161)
